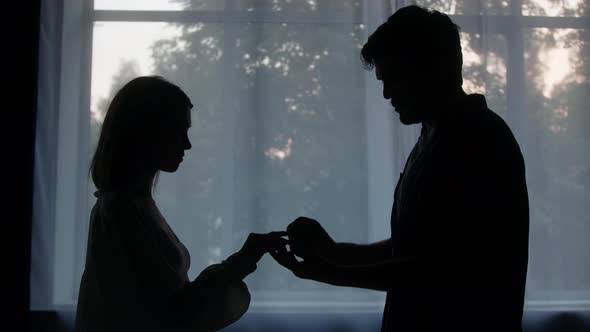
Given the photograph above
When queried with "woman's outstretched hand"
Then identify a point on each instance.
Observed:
(258, 244)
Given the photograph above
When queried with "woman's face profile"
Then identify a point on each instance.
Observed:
(172, 141)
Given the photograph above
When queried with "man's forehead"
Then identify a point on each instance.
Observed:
(393, 65)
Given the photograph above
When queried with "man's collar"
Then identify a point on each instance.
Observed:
(452, 112)
(473, 101)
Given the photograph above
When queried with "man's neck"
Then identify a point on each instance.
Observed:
(443, 109)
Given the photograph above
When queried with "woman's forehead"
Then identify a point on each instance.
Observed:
(188, 116)
(179, 118)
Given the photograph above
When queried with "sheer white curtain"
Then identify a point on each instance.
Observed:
(288, 123)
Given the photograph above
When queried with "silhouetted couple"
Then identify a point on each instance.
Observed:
(457, 256)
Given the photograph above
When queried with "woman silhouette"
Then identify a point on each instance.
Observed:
(135, 278)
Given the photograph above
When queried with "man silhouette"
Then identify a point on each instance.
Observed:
(458, 252)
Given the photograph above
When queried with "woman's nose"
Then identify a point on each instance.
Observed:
(386, 94)
(187, 144)
(386, 91)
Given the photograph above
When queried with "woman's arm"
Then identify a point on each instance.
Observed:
(202, 306)
(218, 297)
(145, 287)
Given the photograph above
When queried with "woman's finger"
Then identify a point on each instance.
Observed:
(278, 233)
(273, 240)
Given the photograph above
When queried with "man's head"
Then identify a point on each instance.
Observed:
(417, 56)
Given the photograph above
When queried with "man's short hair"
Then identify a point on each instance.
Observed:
(426, 36)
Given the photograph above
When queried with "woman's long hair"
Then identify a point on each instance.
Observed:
(135, 120)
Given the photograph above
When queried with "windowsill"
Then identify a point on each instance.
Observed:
(320, 318)
(369, 307)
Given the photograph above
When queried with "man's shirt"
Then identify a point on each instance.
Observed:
(461, 208)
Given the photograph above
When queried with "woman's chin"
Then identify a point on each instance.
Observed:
(170, 168)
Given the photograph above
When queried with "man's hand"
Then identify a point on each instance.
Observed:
(307, 238)
(258, 244)
(306, 269)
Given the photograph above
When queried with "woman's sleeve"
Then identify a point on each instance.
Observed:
(235, 268)
(200, 306)
(218, 294)
(135, 268)
(134, 276)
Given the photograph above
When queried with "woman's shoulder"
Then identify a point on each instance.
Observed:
(113, 204)
(121, 196)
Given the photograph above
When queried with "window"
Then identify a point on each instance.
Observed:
(288, 123)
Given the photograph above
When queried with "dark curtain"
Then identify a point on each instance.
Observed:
(19, 75)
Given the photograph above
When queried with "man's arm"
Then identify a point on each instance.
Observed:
(346, 254)
(376, 276)
(309, 240)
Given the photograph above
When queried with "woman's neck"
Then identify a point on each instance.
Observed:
(141, 181)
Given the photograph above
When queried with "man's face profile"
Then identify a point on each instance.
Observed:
(400, 88)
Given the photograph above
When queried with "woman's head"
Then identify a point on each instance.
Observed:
(144, 131)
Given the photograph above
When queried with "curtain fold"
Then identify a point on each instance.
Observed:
(42, 258)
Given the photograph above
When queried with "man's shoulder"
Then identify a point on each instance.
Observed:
(491, 127)
(496, 133)
(479, 136)
(483, 126)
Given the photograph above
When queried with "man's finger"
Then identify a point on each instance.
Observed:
(281, 259)
(280, 242)
(285, 256)
(280, 250)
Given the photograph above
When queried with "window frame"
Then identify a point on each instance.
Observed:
(71, 204)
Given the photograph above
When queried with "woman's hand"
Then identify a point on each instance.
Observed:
(258, 244)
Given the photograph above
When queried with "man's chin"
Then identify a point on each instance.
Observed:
(407, 118)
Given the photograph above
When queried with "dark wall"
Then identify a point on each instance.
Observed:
(20, 41)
